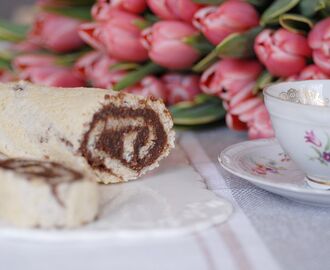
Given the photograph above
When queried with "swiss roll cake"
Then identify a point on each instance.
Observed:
(45, 194)
(113, 135)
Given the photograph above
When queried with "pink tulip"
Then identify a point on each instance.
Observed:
(95, 67)
(174, 9)
(241, 107)
(52, 76)
(25, 46)
(233, 16)
(245, 107)
(24, 61)
(260, 126)
(312, 72)
(181, 87)
(233, 81)
(165, 44)
(55, 32)
(102, 8)
(227, 77)
(149, 86)
(319, 41)
(247, 111)
(85, 64)
(119, 36)
(42, 69)
(283, 53)
(233, 122)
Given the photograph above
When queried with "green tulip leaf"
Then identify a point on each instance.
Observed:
(276, 9)
(137, 75)
(311, 8)
(296, 23)
(124, 66)
(200, 43)
(264, 80)
(4, 64)
(12, 32)
(203, 109)
(70, 3)
(68, 59)
(80, 13)
(259, 3)
(238, 45)
(7, 54)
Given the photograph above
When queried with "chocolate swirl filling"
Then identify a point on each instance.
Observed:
(135, 137)
(50, 172)
(53, 173)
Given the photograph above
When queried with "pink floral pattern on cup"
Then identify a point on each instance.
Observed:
(322, 150)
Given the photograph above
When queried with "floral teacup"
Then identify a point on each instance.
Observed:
(300, 114)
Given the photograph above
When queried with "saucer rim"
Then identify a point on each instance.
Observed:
(259, 180)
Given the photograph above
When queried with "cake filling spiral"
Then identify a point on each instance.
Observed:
(135, 138)
(51, 172)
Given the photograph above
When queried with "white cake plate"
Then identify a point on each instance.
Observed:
(171, 200)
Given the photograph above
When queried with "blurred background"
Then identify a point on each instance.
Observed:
(217, 59)
(7, 7)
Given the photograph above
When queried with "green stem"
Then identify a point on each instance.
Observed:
(137, 75)
(207, 61)
(70, 58)
(124, 66)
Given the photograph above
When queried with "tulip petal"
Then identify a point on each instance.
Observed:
(246, 106)
(90, 32)
(322, 61)
(234, 123)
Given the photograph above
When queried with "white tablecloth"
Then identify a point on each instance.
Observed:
(265, 232)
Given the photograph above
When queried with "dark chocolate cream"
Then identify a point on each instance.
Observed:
(52, 172)
(111, 140)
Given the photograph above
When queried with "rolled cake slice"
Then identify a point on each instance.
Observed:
(117, 136)
(45, 194)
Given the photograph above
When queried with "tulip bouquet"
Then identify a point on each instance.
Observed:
(207, 59)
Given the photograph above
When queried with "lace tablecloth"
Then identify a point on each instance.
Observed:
(265, 232)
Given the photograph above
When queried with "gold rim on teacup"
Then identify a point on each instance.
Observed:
(304, 97)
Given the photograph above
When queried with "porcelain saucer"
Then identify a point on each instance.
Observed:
(265, 164)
